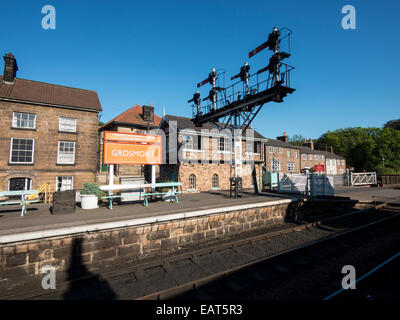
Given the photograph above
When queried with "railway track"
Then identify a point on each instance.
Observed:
(232, 269)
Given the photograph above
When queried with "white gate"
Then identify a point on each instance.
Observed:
(358, 179)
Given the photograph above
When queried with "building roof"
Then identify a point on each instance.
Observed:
(132, 117)
(187, 123)
(49, 94)
(279, 143)
(327, 154)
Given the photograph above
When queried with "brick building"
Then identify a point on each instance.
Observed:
(334, 164)
(281, 156)
(137, 119)
(201, 158)
(49, 133)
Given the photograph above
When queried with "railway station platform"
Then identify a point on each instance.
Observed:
(40, 219)
(369, 194)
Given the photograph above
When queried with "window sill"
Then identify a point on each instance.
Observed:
(68, 132)
(24, 129)
(224, 152)
(20, 164)
(65, 164)
(252, 154)
(192, 150)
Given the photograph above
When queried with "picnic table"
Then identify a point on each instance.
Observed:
(23, 201)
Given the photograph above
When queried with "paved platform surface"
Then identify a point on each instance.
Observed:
(386, 194)
(39, 217)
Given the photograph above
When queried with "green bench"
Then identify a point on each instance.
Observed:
(23, 202)
(173, 185)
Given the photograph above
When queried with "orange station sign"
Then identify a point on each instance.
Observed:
(131, 148)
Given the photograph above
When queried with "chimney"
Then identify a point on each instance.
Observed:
(309, 144)
(331, 149)
(10, 68)
(148, 113)
(283, 138)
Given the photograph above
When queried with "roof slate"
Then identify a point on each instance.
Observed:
(46, 93)
(133, 117)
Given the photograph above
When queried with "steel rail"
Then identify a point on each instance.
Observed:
(192, 285)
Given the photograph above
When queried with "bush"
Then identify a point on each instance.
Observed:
(93, 189)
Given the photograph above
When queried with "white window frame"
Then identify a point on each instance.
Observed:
(291, 167)
(288, 153)
(63, 129)
(322, 157)
(296, 155)
(338, 162)
(310, 157)
(280, 150)
(275, 166)
(342, 162)
(195, 182)
(316, 157)
(304, 157)
(58, 152)
(271, 149)
(15, 121)
(227, 145)
(72, 182)
(33, 151)
(212, 182)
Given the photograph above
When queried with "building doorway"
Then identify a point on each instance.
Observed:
(17, 184)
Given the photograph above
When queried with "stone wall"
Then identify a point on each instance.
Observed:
(46, 136)
(21, 263)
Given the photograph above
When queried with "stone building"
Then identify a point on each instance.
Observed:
(49, 133)
(200, 159)
(281, 156)
(333, 163)
(137, 119)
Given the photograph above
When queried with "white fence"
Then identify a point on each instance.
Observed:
(312, 184)
(363, 178)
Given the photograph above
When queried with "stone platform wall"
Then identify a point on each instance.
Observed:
(21, 263)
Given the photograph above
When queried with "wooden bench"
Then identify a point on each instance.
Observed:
(23, 202)
(143, 193)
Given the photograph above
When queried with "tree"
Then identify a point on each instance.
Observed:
(297, 140)
(395, 124)
(363, 147)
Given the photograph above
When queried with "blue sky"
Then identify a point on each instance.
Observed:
(137, 52)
